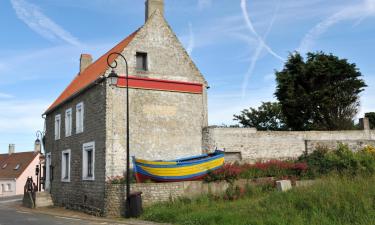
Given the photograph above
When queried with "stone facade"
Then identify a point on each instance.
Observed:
(252, 145)
(79, 193)
(163, 124)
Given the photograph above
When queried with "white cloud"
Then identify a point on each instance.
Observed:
(5, 96)
(356, 12)
(191, 43)
(25, 65)
(32, 16)
(17, 116)
(202, 4)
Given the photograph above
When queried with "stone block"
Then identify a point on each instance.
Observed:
(304, 183)
(283, 185)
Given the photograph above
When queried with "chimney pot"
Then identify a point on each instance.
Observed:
(85, 61)
(12, 148)
(152, 6)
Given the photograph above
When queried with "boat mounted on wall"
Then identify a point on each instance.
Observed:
(191, 168)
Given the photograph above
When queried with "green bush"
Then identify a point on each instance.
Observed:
(341, 160)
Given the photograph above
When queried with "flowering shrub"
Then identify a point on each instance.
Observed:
(274, 168)
(228, 172)
(369, 149)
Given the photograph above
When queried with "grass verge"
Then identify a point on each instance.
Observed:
(333, 200)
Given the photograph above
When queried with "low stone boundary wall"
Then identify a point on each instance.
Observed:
(160, 192)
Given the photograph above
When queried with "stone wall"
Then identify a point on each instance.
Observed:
(252, 145)
(158, 192)
(163, 124)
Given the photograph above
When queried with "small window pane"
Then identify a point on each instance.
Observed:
(89, 163)
(66, 156)
(141, 61)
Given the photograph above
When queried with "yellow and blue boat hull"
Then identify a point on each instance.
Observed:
(192, 168)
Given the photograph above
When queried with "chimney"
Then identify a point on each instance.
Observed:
(12, 148)
(364, 123)
(152, 6)
(85, 61)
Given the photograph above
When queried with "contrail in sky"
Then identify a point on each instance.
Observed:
(353, 12)
(261, 45)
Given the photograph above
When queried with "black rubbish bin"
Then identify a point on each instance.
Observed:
(135, 204)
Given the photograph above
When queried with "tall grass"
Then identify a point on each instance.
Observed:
(332, 200)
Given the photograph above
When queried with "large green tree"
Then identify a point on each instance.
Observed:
(268, 116)
(320, 93)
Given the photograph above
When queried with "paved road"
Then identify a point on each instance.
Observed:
(10, 215)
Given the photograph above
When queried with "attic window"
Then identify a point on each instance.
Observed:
(17, 167)
(141, 61)
(5, 165)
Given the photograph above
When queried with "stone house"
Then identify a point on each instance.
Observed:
(85, 125)
(15, 168)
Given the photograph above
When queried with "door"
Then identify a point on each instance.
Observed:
(48, 171)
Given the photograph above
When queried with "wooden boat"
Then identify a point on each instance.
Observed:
(184, 169)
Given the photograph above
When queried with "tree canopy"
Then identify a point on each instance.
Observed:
(266, 117)
(320, 93)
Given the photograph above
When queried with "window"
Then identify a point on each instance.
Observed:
(17, 167)
(65, 166)
(2, 188)
(68, 122)
(5, 165)
(141, 61)
(88, 162)
(57, 126)
(79, 117)
(9, 187)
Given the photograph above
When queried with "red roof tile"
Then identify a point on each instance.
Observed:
(90, 74)
(23, 159)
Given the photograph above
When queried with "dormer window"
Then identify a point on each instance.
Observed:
(5, 165)
(17, 167)
(141, 61)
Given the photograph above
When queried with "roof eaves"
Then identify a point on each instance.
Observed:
(90, 85)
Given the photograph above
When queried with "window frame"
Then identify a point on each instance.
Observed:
(144, 56)
(57, 127)
(68, 122)
(80, 117)
(63, 165)
(85, 148)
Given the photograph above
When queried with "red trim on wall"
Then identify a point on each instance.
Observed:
(161, 85)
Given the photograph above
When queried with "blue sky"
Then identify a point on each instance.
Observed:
(237, 45)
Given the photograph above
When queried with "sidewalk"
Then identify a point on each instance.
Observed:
(62, 212)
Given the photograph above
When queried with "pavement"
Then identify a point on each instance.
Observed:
(13, 213)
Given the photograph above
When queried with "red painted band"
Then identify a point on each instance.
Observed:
(161, 85)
